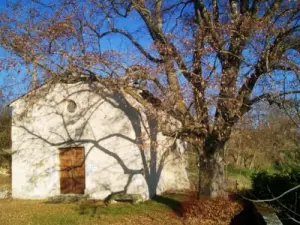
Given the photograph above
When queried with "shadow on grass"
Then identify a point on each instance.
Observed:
(86, 209)
(156, 204)
(172, 203)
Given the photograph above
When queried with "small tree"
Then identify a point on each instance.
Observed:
(204, 63)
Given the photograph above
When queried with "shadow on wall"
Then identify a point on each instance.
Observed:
(100, 120)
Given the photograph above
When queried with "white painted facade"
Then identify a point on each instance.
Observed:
(114, 134)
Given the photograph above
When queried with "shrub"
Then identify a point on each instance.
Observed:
(5, 128)
(291, 160)
(268, 186)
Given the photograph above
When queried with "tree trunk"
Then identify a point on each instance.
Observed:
(211, 175)
(252, 160)
(238, 160)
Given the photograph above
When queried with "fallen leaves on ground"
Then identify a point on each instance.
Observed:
(213, 210)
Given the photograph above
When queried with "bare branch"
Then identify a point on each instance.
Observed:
(275, 198)
(271, 97)
(131, 38)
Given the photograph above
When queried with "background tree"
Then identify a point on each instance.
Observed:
(262, 139)
(204, 63)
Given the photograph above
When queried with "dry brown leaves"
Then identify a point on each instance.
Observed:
(209, 211)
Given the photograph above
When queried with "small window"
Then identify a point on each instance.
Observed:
(71, 106)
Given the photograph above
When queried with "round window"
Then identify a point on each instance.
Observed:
(71, 106)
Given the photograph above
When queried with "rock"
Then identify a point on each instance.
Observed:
(269, 215)
(123, 197)
(55, 199)
(67, 198)
(137, 198)
(72, 198)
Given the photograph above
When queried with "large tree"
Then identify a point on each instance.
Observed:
(204, 63)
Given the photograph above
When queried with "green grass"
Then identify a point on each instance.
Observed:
(242, 176)
(240, 171)
(119, 210)
(158, 211)
(160, 203)
(161, 210)
(238, 178)
(59, 219)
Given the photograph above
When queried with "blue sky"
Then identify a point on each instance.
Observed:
(3, 53)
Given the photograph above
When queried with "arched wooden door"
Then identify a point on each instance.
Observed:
(72, 170)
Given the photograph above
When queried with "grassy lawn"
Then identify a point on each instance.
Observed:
(238, 178)
(162, 210)
(242, 176)
(19, 212)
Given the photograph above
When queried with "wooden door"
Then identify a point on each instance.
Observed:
(72, 170)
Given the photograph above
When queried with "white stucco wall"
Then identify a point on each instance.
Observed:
(111, 131)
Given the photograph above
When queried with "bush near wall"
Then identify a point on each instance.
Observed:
(268, 186)
(5, 129)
